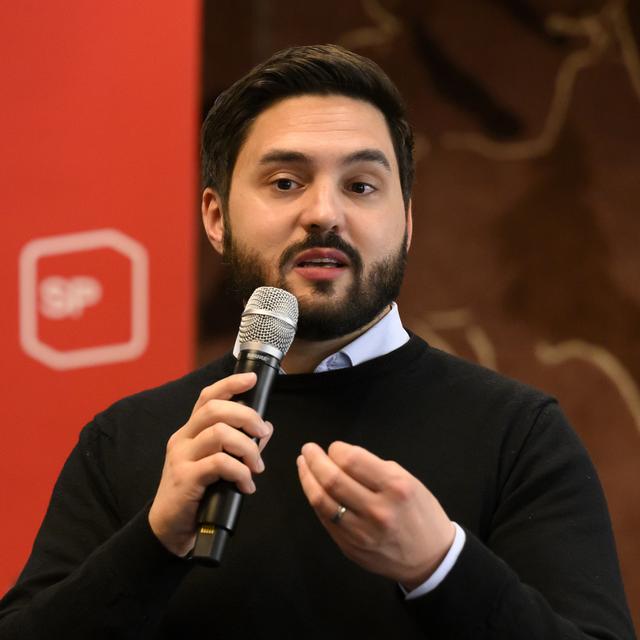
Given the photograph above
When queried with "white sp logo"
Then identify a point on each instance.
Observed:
(58, 298)
(68, 297)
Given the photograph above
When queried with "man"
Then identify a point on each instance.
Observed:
(404, 492)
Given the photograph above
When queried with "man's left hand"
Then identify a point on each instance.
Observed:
(393, 525)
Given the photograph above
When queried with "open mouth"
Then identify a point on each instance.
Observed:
(321, 263)
(322, 258)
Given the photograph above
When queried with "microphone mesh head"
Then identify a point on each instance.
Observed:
(270, 317)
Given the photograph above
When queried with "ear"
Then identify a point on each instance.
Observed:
(409, 225)
(213, 218)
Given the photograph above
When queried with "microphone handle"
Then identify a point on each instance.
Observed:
(220, 505)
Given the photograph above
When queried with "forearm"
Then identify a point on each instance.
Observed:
(483, 598)
(120, 590)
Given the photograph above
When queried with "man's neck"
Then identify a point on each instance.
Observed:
(305, 355)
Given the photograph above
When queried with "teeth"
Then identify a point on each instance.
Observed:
(323, 262)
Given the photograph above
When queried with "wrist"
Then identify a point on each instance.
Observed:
(423, 573)
(177, 544)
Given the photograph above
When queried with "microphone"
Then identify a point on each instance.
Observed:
(267, 328)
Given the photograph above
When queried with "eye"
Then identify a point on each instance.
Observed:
(361, 188)
(285, 184)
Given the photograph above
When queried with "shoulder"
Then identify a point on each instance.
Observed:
(482, 407)
(163, 408)
(451, 374)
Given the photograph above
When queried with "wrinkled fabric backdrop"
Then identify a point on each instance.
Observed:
(525, 254)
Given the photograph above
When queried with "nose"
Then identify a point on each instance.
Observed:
(322, 209)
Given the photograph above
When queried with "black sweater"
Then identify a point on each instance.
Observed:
(539, 560)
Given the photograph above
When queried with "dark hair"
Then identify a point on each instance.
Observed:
(319, 70)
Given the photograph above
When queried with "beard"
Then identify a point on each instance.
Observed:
(321, 316)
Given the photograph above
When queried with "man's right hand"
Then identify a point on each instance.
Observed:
(214, 444)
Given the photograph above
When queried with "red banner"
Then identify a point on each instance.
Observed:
(98, 170)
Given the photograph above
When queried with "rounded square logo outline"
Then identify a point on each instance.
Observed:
(54, 358)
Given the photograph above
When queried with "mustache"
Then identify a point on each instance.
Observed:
(330, 240)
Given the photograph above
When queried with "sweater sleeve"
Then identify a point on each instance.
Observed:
(90, 575)
(548, 567)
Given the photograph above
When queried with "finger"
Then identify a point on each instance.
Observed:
(222, 466)
(324, 506)
(337, 484)
(363, 466)
(222, 437)
(226, 388)
(234, 414)
(265, 439)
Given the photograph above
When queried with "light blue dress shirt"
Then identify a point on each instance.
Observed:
(384, 336)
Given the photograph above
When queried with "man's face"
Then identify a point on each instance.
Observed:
(315, 207)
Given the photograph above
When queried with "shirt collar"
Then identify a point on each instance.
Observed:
(384, 336)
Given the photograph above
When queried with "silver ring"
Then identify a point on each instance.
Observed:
(337, 516)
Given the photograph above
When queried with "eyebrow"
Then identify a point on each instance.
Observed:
(296, 157)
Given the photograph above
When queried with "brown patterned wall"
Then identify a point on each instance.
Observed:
(527, 224)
